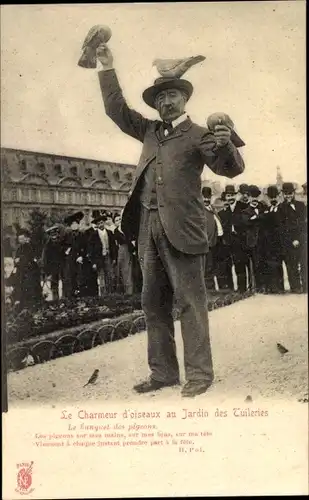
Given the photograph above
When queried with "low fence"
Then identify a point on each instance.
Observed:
(83, 337)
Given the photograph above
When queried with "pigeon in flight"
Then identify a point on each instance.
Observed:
(175, 68)
(93, 378)
(96, 36)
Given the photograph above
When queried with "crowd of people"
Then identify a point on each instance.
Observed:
(256, 238)
(75, 262)
(249, 238)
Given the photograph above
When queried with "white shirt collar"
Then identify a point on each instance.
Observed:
(179, 120)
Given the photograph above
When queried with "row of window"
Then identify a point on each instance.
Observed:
(57, 169)
(63, 197)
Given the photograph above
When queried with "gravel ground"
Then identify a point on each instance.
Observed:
(246, 361)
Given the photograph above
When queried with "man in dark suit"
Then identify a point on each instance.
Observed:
(53, 258)
(252, 218)
(292, 219)
(74, 250)
(217, 257)
(244, 193)
(89, 275)
(166, 215)
(102, 253)
(234, 238)
(272, 249)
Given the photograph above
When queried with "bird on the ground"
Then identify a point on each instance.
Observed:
(97, 35)
(175, 68)
(281, 348)
(93, 378)
(248, 399)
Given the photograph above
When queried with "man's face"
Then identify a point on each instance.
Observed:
(274, 201)
(109, 222)
(289, 197)
(22, 239)
(170, 104)
(230, 198)
(54, 236)
(117, 221)
(75, 226)
(207, 201)
(245, 197)
(254, 201)
(101, 224)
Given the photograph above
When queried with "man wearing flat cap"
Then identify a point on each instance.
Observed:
(292, 216)
(165, 214)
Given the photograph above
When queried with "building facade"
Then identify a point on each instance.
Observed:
(59, 185)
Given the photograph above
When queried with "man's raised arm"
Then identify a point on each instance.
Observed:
(129, 121)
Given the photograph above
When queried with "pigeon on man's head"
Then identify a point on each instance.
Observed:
(281, 348)
(175, 68)
(93, 378)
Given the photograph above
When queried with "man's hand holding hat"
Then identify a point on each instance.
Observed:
(105, 56)
(223, 128)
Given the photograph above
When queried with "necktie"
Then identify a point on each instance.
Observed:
(168, 128)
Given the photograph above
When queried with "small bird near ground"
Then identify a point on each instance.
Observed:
(93, 378)
(281, 348)
(248, 399)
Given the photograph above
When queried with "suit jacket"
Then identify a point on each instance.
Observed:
(253, 225)
(121, 239)
(53, 257)
(234, 219)
(94, 247)
(292, 222)
(179, 160)
(211, 226)
(271, 234)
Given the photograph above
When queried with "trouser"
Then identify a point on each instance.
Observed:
(124, 269)
(89, 280)
(274, 281)
(292, 258)
(304, 265)
(219, 265)
(171, 276)
(54, 285)
(258, 267)
(241, 262)
(105, 275)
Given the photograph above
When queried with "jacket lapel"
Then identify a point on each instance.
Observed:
(177, 131)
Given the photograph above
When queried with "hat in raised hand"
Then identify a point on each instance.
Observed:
(96, 36)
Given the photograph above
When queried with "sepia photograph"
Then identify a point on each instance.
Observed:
(154, 248)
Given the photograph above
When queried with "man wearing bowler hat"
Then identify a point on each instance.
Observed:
(166, 215)
(254, 236)
(292, 217)
(216, 257)
(234, 238)
(272, 243)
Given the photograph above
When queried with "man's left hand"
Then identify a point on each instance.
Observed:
(222, 135)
